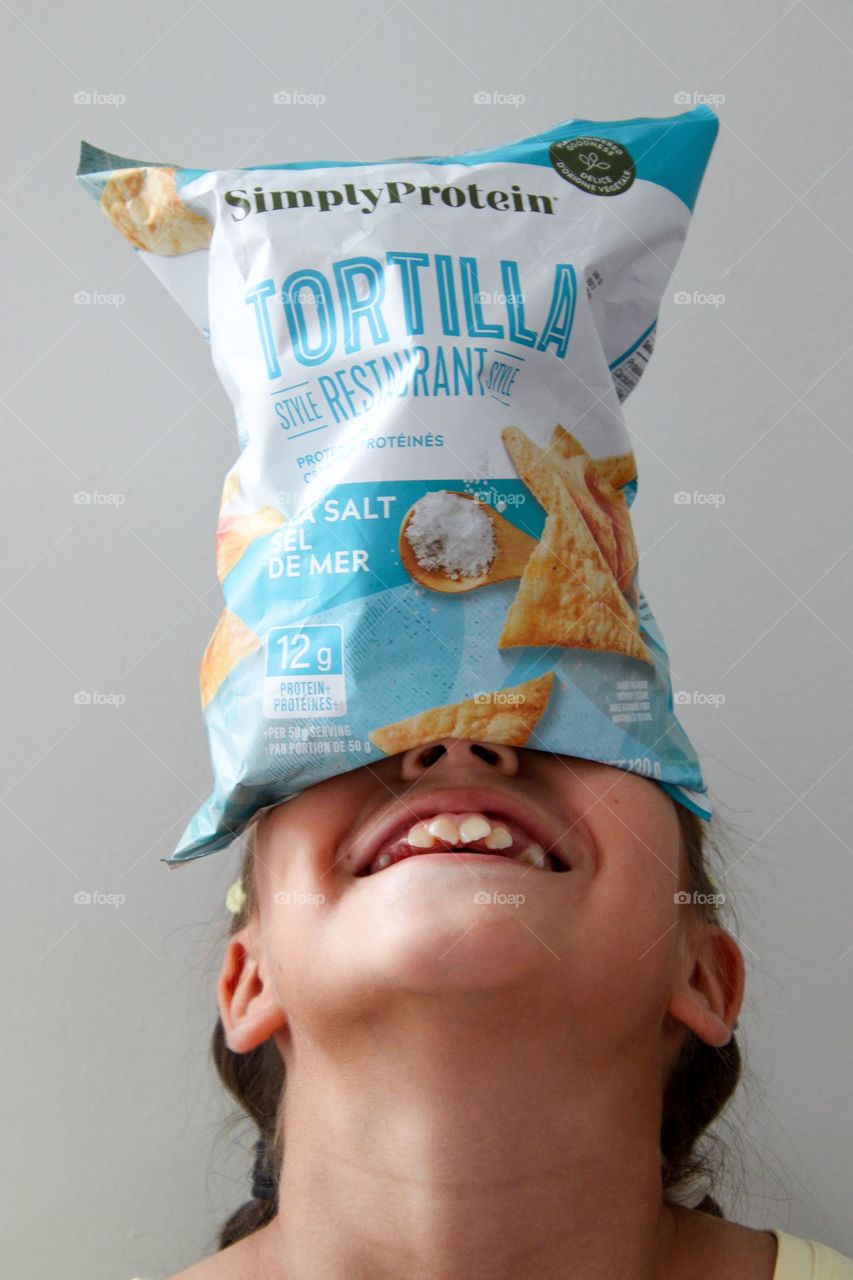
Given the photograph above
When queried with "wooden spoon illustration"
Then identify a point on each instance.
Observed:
(512, 551)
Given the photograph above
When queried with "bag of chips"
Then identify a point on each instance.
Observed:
(427, 530)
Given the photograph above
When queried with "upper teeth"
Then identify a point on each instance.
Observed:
(444, 827)
(459, 828)
(473, 827)
(420, 837)
(465, 828)
(534, 854)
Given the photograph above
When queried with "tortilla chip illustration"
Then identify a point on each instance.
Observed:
(143, 204)
(613, 501)
(231, 641)
(234, 534)
(568, 595)
(609, 475)
(506, 716)
(618, 469)
(585, 487)
(603, 507)
(545, 474)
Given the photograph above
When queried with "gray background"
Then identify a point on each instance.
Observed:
(116, 1160)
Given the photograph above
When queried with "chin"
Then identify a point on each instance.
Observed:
(453, 947)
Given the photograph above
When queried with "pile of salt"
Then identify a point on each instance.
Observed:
(451, 534)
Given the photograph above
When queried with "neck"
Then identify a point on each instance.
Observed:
(470, 1136)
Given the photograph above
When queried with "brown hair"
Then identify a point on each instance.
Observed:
(699, 1087)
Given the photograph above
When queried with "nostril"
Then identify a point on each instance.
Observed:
(432, 755)
(484, 753)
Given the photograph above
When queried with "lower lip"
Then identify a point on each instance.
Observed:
(445, 858)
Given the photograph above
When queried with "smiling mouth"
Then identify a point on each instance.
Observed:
(470, 832)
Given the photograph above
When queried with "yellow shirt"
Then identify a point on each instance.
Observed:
(807, 1260)
(799, 1259)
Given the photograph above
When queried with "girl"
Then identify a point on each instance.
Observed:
(478, 1003)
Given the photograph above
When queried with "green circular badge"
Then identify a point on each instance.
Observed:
(596, 165)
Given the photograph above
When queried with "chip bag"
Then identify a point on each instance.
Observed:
(427, 531)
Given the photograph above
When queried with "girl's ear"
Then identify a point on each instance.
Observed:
(709, 992)
(249, 1009)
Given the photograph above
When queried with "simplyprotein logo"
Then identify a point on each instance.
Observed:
(368, 199)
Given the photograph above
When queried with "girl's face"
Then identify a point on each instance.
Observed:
(605, 943)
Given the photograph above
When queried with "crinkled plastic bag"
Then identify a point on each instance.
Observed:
(427, 531)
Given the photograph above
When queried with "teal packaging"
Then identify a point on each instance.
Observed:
(426, 529)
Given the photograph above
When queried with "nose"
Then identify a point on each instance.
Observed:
(453, 753)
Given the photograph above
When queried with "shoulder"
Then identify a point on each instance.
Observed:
(716, 1247)
(208, 1269)
(237, 1262)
